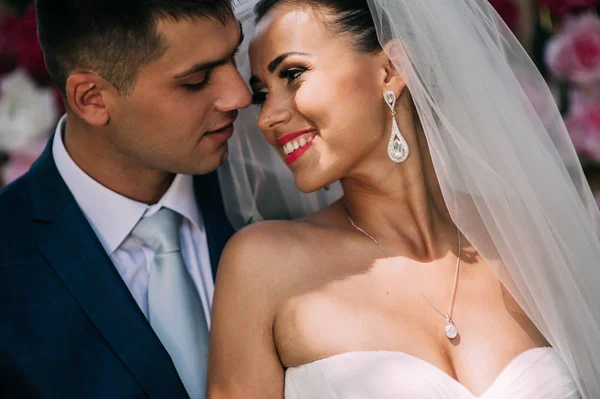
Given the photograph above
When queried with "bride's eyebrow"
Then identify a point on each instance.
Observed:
(278, 60)
(254, 80)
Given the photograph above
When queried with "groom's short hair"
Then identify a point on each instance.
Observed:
(112, 38)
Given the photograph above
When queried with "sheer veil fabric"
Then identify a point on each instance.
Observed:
(508, 171)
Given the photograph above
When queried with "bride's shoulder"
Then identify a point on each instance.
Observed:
(272, 247)
(257, 261)
(270, 240)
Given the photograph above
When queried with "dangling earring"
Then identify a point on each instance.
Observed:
(397, 147)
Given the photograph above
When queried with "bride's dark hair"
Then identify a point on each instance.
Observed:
(349, 16)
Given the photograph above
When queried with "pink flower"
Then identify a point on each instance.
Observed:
(574, 54)
(598, 200)
(583, 124)
(20, 48)
(19, 162)
(508, 10)
(560, 8)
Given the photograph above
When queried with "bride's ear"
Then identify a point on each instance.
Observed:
(393, 80)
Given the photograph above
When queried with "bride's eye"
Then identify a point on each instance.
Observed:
(259, 98)
(291, 74)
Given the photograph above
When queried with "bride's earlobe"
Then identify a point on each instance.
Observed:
(393, 78)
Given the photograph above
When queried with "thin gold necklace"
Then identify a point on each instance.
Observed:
(451, 331)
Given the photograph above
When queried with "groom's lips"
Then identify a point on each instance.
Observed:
(221, 134)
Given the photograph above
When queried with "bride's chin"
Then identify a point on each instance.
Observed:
(309, 184)
(307, 188)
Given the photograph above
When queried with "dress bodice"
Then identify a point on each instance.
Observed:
(535, 374)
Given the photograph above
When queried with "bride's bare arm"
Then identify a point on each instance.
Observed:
(243, 361)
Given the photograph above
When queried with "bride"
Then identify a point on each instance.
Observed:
(461, 261)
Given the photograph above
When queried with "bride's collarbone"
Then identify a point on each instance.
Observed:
(342, 298)
(319, 328)
(368, 311)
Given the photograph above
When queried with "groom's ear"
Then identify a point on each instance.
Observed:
(88, 95)
(391, 60)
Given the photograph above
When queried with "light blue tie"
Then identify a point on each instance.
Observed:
(175, 311)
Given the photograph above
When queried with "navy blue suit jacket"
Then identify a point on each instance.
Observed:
(69, 327)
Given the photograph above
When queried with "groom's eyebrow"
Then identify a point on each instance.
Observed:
(278, 60)
(211, 64)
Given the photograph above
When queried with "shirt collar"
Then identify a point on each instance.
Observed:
(179, 198)
(111, 215)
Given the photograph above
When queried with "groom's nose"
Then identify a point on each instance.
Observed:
(234, 92)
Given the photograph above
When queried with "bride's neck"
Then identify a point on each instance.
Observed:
(403, 202)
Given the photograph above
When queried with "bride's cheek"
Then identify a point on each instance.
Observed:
(311, 99)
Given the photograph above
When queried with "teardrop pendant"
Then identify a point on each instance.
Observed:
(397, 147)
(451, 331)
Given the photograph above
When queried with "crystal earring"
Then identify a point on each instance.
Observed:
(397, 147)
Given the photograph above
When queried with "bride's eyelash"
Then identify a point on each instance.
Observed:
(259, 98)
(291, 74)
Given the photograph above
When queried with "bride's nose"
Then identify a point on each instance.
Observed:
(273, 116)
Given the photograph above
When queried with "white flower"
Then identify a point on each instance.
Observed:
(26, 111)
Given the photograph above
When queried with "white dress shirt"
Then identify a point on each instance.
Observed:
(113, 216)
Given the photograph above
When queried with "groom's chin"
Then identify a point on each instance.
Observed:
(212, 162)
(225, 155)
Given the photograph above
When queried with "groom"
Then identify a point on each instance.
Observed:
(108, 246)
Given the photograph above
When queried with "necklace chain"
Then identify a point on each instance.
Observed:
(448, 315)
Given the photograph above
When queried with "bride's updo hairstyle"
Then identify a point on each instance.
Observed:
(348, 16)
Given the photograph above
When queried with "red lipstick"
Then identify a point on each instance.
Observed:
(298, 153)
(283, 140)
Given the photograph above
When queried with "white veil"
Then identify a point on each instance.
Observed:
(256, 184)
(502, 154)
(507, 163)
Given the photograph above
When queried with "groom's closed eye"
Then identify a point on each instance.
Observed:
(202, 81)
(202, 72)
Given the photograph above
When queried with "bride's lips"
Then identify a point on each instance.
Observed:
(297, 154)
(283, 140)
(303, 141)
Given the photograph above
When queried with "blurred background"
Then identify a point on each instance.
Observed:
(562, 37)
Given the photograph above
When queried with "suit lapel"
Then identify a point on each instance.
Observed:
(218, 228)
(71, 247)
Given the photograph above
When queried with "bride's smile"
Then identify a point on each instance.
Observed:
(294, 144)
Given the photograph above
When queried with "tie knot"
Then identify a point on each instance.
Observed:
(160, 231)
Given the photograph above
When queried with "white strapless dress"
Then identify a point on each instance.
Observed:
(535, 374)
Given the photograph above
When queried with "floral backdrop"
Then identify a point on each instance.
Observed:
(565, 44)
(562, 36)
(29, 104)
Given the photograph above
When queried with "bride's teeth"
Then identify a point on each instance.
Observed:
(293, 146)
